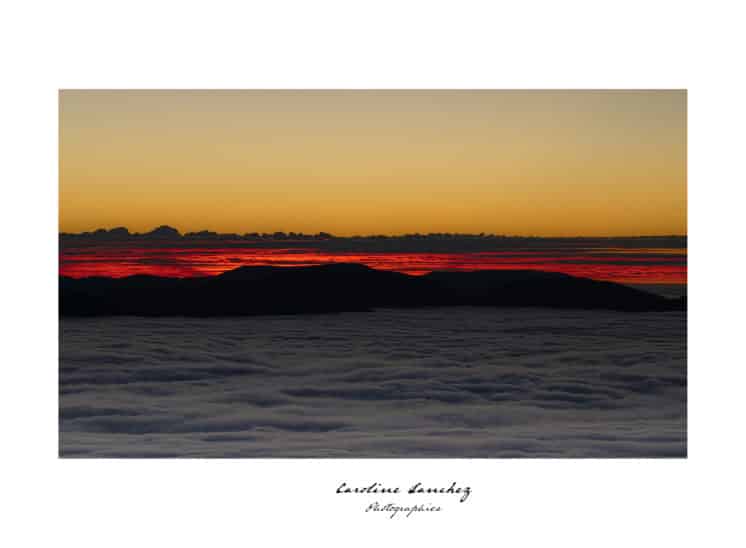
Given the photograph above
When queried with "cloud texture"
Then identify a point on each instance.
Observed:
(391, 383)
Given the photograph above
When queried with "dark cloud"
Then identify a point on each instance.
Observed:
(404, 242)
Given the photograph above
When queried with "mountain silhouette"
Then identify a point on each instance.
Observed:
(340, 287)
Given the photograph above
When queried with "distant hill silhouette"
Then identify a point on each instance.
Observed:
(342, 287)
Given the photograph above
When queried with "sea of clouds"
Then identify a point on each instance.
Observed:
(451, 382)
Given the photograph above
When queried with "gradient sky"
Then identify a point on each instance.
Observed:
(544, 163)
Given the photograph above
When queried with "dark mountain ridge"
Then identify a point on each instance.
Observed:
(340, 287)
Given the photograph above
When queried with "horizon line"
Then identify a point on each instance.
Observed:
(169, 231)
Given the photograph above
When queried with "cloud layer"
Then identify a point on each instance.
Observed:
(391, 383)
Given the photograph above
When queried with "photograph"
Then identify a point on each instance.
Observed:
(372, 273)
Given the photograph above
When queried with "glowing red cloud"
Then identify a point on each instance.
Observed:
(620, 265)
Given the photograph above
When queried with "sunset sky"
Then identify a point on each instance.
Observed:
(544, 163)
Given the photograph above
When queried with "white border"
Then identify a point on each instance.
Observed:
(381, 44)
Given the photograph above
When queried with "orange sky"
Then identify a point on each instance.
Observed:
(545, 163)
